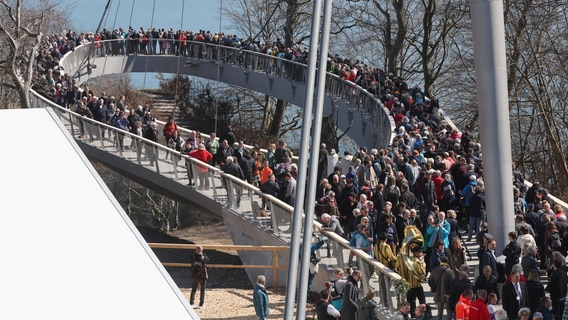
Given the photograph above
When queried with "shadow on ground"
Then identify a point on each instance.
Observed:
(218, 277)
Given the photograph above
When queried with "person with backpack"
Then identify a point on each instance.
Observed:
(448, 193)
(335, 286)
(552, 241)
(199, 276)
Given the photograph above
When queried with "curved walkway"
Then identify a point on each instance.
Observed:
(169, 172)
(354, 108)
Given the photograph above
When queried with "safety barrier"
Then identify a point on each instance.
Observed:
(242, 198)
(376, 116)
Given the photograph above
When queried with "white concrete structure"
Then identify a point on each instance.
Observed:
(68, 249)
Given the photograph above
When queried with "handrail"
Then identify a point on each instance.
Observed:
(167, 163)
(357, 98)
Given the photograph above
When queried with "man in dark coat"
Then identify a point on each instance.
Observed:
(248, 165)
(100, 111)
(489, 258)
(557, 286)
(235, 170)
(151, 133)
(443, 278)
(270, 187)
(408, 197)
(426, 194)
(351, 297)
(514, 295)
(224, 151)
(487, 281)
(199, 276)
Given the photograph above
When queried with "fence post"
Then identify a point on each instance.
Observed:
(275, 253)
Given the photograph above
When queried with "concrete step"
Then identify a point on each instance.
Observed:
(164, 107)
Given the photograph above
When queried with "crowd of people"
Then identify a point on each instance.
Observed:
(430, 177)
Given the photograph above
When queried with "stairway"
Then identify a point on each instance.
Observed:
(164, 107)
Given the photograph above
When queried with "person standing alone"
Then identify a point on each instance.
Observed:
(198, 276)
(260, 298)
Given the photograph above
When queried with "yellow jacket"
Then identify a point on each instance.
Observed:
(384, 254)
(413, 276)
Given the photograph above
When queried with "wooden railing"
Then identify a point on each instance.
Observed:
(275, 266)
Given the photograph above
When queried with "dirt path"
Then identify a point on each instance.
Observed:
(215, 234)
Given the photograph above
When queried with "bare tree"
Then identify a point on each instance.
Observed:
(21, 31)
(287, 19)
(537, 89)
(394, 33)
(440, 25)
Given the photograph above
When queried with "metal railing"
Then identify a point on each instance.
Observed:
(242, 198)
(356, 98)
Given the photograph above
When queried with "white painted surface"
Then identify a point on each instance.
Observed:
(68, 250)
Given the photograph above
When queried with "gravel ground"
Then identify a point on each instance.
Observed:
(237, 304)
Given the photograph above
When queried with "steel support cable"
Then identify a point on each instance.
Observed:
(258, 33)
(91, 46)
(109, 40)
(179, 57)
(125, 43)
(218, 63)
(148, 44)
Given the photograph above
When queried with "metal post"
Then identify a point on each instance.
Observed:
(275, 261)
(302, 168)
(313, 178)
(491, 72)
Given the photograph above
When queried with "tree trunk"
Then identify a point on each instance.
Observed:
(394, 54)
(268, 112)
(329, 132)
(291, 21)
(276, 124)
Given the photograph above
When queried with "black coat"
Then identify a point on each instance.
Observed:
(477, 205)
(535, 291)
(248, 164)
(151, 134)
(510, 302)
(558, 284)
(410, 199)
(234, 170)
(512, 253)
(270, 187)
(488, 259)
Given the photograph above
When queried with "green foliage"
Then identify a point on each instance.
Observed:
(401, 287)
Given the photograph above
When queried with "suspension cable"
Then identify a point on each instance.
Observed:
(149, 43)
(89, 65)
(262, 29)
(112, 30)
(218, 62)
(179, 58)
(124, 41)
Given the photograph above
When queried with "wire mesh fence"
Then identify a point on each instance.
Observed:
(225, 267)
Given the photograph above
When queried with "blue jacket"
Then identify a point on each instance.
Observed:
(443, 233)
(467, 192)
(260, 301)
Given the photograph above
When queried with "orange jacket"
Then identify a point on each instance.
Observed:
(462, 308)
(169, 129)
(264, 173)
